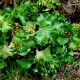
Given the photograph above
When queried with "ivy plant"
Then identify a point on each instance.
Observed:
(40, 42)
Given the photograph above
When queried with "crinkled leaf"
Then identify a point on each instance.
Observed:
(1, 19)
(76, 40)
(30, 28)
(6, 26)
(57, 2)
(44, 20)
(42, 36)
(2, 39)
(2, 64)
(24, 63)
(45, 55)
(71, 53)
(64, 49)
(8, 10)
(22, 20)
(17, 41)
(25, 48)
(55, 63)
(62, 41)
(6, 51)
(61, 50)
(73, 46)
(68, 59)
(58, 25)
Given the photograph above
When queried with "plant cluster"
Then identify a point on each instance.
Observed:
(34, 41)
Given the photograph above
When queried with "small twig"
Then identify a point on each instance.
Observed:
(1, 2)
(77, 53)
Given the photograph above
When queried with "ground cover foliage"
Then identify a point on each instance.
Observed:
(35, 39)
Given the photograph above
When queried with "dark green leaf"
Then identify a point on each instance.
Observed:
(2, 64)
(68, 59)
(2, 39)
(22, 20)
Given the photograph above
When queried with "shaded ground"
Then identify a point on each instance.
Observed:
(67, 72)
(70, 71)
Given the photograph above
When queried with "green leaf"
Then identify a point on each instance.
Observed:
(25, 48)
(71, 53)
(68, 59)
(57, 2)
(6, 51)
(55, 63)
(22, 20)
(59, 26)
(8, 10)
(76, 40)
(24, 63)
(1, 19)
(6, 26)
(64, 49)
(61, 51)
(42, 36)
(45, 55)
(73, 46)
(2, 39)
(62, 41)
(44, 20)
(17, 40)
(2, 64)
